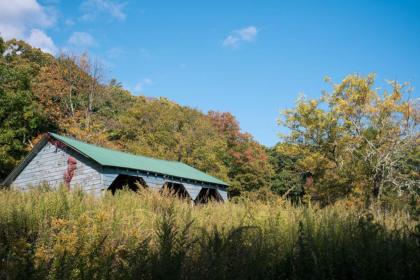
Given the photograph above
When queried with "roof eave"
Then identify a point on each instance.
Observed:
(167, 175)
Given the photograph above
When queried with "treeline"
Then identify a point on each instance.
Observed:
(355, 142)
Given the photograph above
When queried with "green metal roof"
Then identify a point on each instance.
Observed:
(112, 158)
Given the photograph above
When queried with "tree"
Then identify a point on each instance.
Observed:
(249, 169)
(163, 129)
(287, 177)
(21, 117)
(361, 144)
(384, 130)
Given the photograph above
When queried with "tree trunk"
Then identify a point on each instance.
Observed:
(377, 186)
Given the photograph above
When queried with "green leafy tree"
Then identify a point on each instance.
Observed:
(21, 117)
(287, 178)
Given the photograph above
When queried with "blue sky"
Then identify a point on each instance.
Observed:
(251, 58)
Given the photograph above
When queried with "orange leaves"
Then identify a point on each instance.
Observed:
(247, 160)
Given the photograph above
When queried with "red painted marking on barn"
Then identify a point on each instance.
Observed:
(69, 173)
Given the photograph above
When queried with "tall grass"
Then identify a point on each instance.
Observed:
(71, 235)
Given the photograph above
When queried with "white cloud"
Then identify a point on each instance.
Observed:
(26, 19)
(24, 13)
(39, 39)
(69, 22)
(248, 34)
(91, 9)
(8, 31)
(81, 40)
(231, 41)
(140, 85)
(237, 37)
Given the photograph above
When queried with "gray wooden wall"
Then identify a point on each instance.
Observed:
(50, 164)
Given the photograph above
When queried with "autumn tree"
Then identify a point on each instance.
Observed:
(161, 128)
(247, 160)
(355, 140)
(67, 88)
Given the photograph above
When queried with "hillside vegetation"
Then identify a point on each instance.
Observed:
(71, 235)
(40, 93)
(358, 142)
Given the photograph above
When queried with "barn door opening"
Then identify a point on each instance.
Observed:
(132, 182)
(175, 189)
(207, 194)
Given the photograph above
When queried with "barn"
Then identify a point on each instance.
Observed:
(59, 160)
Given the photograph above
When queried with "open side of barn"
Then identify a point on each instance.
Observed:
(59, 160)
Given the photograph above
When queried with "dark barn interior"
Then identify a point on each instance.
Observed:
(175, 189)
(207, 194)
(169, 188)
(132, 182)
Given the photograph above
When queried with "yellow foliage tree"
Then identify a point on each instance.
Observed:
(356, 139)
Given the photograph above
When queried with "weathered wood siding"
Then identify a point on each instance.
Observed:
(49, 166)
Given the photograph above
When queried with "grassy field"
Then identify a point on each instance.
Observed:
(70, 235)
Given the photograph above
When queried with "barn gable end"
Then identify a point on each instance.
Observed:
(50, 165)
